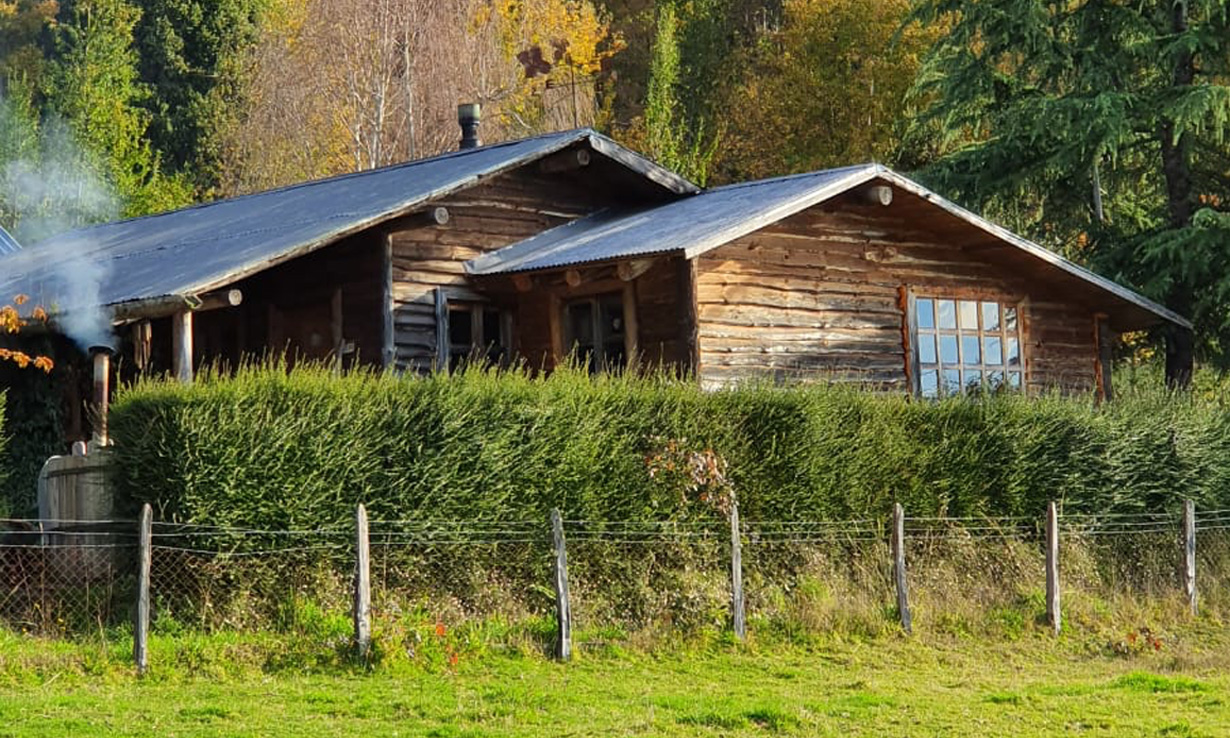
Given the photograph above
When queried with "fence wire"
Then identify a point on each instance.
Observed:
(67, 577)
(59, 577)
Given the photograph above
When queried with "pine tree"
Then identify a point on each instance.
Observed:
(1098, 126)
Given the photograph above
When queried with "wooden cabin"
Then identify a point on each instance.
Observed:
(535, 249)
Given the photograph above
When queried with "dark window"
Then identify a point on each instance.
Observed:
(476, 331)
(596, 332)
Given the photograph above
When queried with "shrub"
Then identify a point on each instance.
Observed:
(276, 449)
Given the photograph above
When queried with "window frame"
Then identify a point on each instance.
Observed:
(1004, 302)
(600, 337)
(448, 358)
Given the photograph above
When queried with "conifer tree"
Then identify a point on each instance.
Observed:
(1099, 126)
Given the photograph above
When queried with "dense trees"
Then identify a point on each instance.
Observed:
(1095, 127)
(1101, 127)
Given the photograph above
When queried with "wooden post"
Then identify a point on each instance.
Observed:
(1052, 568)
(1189, 553)
(898, 546)
(563, 607)
(362, 586)
(738, 617)
(140, 636)
(442, 337)
(181, 340)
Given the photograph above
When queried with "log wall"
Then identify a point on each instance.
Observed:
(822, 295)
(659, 297)
(489, 216)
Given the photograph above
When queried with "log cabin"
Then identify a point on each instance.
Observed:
(569, 244)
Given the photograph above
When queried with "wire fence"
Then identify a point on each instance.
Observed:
(63, 578)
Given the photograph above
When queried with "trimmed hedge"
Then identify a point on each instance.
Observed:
(275, 449)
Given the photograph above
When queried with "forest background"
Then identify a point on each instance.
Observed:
(1094, 127)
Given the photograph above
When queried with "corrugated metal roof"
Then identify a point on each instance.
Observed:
(694, 225)
(207, 246)
(8, 244)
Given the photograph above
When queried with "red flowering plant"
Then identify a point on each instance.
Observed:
(11, 323)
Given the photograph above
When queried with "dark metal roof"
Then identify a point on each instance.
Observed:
(694, 225)
(8, 244)
(204, 247)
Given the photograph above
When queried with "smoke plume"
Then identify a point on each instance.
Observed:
(48, 189)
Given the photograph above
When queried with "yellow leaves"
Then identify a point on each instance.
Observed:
(10, 320)
(567, 33)
(23, 360)
(11, 323)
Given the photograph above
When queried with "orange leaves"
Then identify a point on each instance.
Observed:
(11, 323)
(10, 320)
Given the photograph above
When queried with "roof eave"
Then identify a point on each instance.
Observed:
(1036, 250)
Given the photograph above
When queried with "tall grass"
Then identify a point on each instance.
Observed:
(300, 449)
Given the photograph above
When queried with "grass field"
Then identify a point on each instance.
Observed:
(1033, 686)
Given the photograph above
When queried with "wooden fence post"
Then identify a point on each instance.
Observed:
(898, 546)
(140, 636)
(1053, 616)
(563, 609)
(362, 586)
(738, 616)
(1189, 553)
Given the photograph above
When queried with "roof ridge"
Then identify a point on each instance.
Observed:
(575, 133)
(788, 177)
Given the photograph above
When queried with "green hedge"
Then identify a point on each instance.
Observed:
(273, 449)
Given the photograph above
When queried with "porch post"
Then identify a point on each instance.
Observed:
(181, 343)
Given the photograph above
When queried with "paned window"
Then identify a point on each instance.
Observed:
(594, 329)
(966, 346)
(476, 332)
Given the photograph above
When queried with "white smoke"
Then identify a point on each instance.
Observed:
(48, 190)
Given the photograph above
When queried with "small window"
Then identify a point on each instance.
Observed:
(476, 332)
(966, 346)
(595, 330)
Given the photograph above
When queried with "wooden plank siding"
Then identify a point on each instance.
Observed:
(819, 295)
(489, 216)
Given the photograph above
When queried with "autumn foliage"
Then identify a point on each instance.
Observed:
(11, 323)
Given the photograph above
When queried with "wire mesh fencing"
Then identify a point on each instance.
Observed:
(210, 578)
(62, 578)
(961, 569)
(1213, 559)
(814, 576)
(648, 575)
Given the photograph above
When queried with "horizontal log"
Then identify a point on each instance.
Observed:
(753, 316)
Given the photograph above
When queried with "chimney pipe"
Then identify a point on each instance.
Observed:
(468, 117)
(102, 392)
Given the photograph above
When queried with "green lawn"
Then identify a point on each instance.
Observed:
(892, 687)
